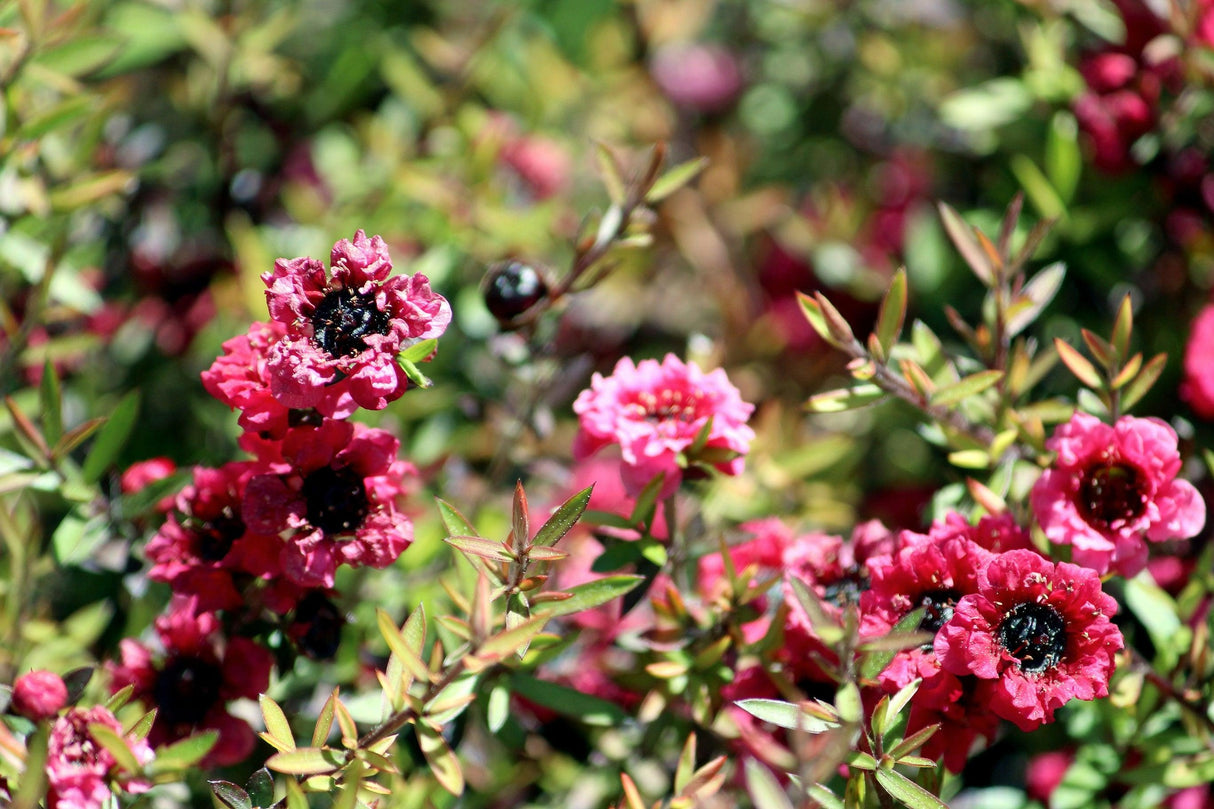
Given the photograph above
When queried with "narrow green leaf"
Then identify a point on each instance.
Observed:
(824, 797)
(324, 722)
(963, 239)
(610, 170)
(520, 517)
(873, 662)
(591, 594)
(1123, 327)
(893, 312)
(813, 313)
(456, 523)
(414, 373)
(785, 715)
(646, 502)
(568, 701)
(836, 401)
(907, 791)
(498, 709)
(1035, 297)
(484, 548)
(119, 698)
(1145, 380)
(606, 519)
(108, 738)
(75, 437)
(959, 391)
(913, 741)
(674, 179)
(306, 761)
(1063, 162)
(564, 518)
(76, 680)
(143, 726)
(511, 640)
(276, 723)
(421, 351)
(51, 399)
(1078, 364)
(442, 761)
(227, 795)
(111, 438)
(186, 752)
(687, 764)
(410, 659)
(763, 787)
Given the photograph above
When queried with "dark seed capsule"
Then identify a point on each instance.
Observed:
(511, 288)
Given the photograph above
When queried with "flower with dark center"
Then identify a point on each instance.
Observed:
(1040, 631)
(79, 770)
(344, 330)
(1112, 488)
(193, 678)
(202, 549)
(316, 626)
(937, 608)
(654, 412)
(337, 501)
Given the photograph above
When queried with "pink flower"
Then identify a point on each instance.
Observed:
(700, 77)
(239, 378)
(202, 549)
(142, 474)
(654, 413)
(1198, 386)
(541, 163)
(78, 769)
(191, 684)
(1112, 485)
(1045, 772)
(1040, 630)
(334, 496)
(38, 695)
(344, 331)
(995, 532)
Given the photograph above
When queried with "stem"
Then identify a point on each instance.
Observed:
(1169, 690)
(402, 717)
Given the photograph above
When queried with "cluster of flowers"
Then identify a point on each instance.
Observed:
(1127, 93)
(256, 543)
(1014, 634)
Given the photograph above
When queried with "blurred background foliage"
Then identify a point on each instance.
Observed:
(156, 156)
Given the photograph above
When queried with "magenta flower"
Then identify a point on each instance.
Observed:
(334, 496)
(654, 413)
(1040, 630)
(206, 549)
(38, 695)
(80, 771)
(192, 683)
(1198, 386)
(995, 532)
(344, 331)
(240, 378)
(1112, 485)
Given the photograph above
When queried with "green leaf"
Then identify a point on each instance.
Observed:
(111, 438)
(1078, 364)
(959, 391)
(227, 795)
(1035, 297)
(76, 680)
(75, 437)
(963, 239)
(646, 502)
(568, 701)
(277, 727)
(186, 752)
(1123, 327)
(785, 715)
(609, 167)
(498, 709)
(58, 117)
(563, 519)
(484, 548)
(260, 787)
(1063, 162)
(324, 721)
(455, 523)
(836, 401)
(414, 373)
(674, 179)
(306, 761)
(875, 661)
(813, 313)
(51, 399)
(591, 594)
(442, 761)
(1145, 380)
(400, 647)
(80, 54)
(825, 798)
(763, 787)
(893, 312)
(108, 738)
(420, 352)
(512, 640)
(907, 791)
(1156, 609)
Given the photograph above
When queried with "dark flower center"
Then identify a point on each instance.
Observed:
(317, 626)
(1112, 492)
(307, 417)
(846, 589)
(1034, 634)
(215, 536)
(186, 689)
(336, 498)
(937, 609)
(342, 319)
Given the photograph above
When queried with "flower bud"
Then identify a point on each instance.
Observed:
(38, 695)
(511, 288)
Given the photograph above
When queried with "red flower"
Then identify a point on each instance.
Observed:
(240, 379)
(38, 695)
(995, 532)
(200, 550)
(1040, 630)
(1112, 485)
(654, 412)
(344, 331)
(198, 675)
(334, 496)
